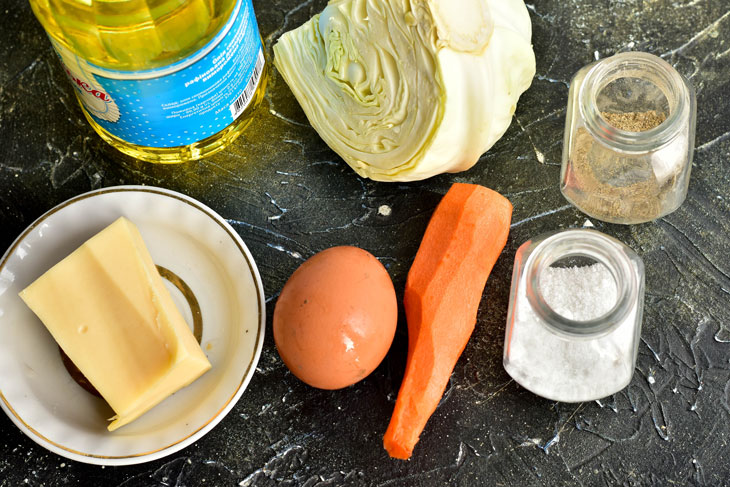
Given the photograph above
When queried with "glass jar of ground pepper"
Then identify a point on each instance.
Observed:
(629, 139)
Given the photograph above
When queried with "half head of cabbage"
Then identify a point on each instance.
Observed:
(403, 90)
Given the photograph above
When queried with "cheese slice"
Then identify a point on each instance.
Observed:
(108, 309)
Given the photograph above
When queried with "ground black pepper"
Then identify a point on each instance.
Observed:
(619, 186)
(634, 121)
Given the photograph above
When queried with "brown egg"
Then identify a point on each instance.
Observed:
(335, 318)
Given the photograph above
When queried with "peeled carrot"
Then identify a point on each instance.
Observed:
(463, 240)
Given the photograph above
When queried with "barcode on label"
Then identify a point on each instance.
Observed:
(242, 101)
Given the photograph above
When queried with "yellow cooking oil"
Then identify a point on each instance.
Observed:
(164, 81)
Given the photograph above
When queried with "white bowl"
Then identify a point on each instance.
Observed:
(183, 236)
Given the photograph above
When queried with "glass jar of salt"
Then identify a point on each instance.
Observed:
(574, 318)
(629, 139)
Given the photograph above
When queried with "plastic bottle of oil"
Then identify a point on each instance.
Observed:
(161, 80)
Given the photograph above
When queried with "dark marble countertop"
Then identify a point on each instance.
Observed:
(289, 196)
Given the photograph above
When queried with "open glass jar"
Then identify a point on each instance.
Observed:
(629, 139)
(574, 318)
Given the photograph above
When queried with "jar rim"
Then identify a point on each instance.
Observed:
(604, 250)
(635, 64)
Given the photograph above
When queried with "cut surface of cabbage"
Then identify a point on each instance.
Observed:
(403, 90)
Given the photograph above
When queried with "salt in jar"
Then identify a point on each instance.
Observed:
(574, 318)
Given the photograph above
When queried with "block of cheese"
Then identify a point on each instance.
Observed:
(108, 309)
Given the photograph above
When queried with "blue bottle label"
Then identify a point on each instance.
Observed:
(182, 103)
